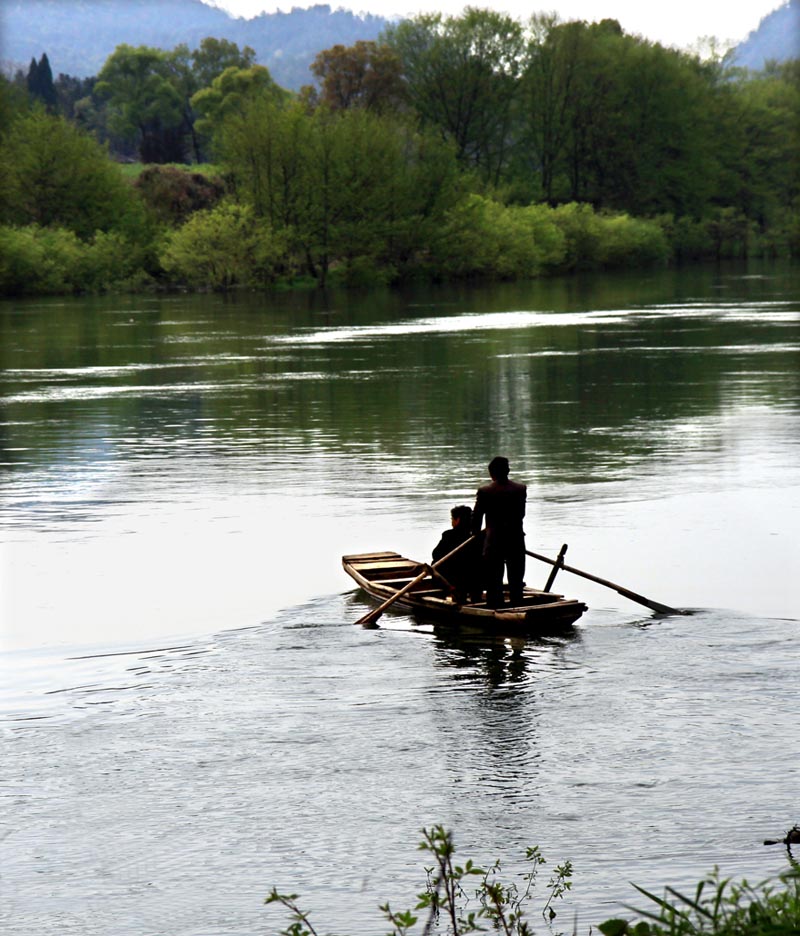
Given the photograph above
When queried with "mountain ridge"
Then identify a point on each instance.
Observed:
(79, 35)
(777, 38)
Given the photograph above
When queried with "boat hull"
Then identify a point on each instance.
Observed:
(382, 574)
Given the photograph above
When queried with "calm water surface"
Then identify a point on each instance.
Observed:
(188, 715)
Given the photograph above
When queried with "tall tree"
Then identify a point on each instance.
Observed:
(213, 56)
(343, 187)
(143, 101)
(228, 93)
(366, 74)
(55, 174)
(40, 83)
(546, 95)
(461, 74)
(149, 93)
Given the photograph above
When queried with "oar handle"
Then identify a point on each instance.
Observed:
(369, 619)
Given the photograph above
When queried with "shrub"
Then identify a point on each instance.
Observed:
(40, 261)
(490, 904)
(223, 247)
(488, 239)
(581, 229)
(36, 260)
(172, 194)
(631, 242)
(609, 241)
(55, 175)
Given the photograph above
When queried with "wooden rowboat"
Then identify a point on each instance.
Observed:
(383, 574)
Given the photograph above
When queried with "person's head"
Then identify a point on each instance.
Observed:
(461, 516)
(499, 468)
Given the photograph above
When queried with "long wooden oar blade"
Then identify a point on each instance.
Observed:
(370, 618)
(626, 592)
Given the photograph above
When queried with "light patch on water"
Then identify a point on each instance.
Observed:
(492, 321)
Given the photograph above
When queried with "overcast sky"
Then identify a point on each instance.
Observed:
(670, 22)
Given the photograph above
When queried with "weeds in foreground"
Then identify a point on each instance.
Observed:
(718, 907)
(463, 898)
(460, 899)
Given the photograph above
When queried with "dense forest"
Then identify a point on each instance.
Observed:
(467, 146)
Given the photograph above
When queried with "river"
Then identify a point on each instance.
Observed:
(188, 716)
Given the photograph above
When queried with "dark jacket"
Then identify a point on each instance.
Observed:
(463, 571)
(502, 503)
(451, 538)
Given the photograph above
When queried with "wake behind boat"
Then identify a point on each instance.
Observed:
(416, 587)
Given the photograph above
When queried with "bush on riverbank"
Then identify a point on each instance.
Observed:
(38, 260)
(223, 247)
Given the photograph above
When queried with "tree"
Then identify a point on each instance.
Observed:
(545, 98)
(56, 175)
(144, 103)
(172, 194)
(461, 75)
(223, 247)
(149, 93)
(214, 56)
(229, 91)
(14, 103)
(616, 121)
(350, 188)
(40, 83)
(70, 91)
(365, 75)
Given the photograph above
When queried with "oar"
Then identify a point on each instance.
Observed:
(627, 593)
(369, 619)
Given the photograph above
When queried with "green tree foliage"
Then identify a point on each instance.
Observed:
(764, 124)
(145, 103)
(350, 188)
(223, 247)
(149, 94)
(70, 92)
(461, 75)
(366, 74)
(615, 121)
(213, 56)
(36, 260)
(228, 92)
(14, 103)
(53, 174)
(487, 239)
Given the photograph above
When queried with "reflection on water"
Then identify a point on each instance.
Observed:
(188, 714)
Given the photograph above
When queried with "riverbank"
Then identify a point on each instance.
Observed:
(222, 249)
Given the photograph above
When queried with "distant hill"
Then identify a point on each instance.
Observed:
(777, 38)
(79, 35)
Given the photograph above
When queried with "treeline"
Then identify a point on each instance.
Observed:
(469, 146)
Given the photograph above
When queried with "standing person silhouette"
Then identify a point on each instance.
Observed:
(502, 503)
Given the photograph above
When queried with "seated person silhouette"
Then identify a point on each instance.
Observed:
(464, 570)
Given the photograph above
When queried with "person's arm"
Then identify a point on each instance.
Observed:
(477, 515)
